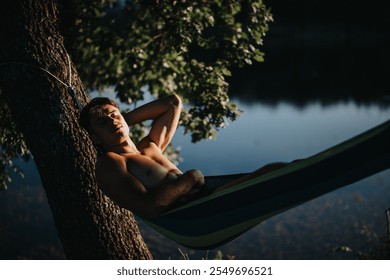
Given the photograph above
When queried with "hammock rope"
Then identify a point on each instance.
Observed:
(68, 85)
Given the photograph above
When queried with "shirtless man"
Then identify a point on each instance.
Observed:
(138, 176)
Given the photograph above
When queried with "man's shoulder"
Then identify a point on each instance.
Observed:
(109, 160)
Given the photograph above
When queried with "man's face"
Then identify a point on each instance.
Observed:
(109, 127)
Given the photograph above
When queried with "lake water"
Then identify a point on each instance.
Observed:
(344, 224)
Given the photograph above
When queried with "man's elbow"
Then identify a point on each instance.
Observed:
(151, 212)
(175, 101)
(152, 206)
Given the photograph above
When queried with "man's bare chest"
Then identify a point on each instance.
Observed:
(150, 169)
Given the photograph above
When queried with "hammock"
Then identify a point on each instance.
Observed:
(219, 217)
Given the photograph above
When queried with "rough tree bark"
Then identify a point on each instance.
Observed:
(89, 225)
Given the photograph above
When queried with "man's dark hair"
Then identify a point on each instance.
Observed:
(93, 108)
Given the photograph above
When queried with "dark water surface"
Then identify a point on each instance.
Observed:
(345, 224)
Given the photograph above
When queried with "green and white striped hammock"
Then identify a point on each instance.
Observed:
(219, 217)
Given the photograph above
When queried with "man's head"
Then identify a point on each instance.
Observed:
(94, 109)
(104, 122)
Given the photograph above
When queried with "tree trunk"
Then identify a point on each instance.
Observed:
(90, 226)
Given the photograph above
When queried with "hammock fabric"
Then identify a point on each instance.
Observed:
(219, 217)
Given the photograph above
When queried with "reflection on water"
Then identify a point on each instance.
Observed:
(352, 217)
(321, 50)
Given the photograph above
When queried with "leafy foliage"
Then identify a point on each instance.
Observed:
(12, 145)
(183, 47)
(164, 46)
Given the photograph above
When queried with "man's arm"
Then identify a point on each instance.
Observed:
(129, 193)
(165, 113)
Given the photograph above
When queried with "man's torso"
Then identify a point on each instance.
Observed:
(150, 166)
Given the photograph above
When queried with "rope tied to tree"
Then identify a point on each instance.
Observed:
(71, 90)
